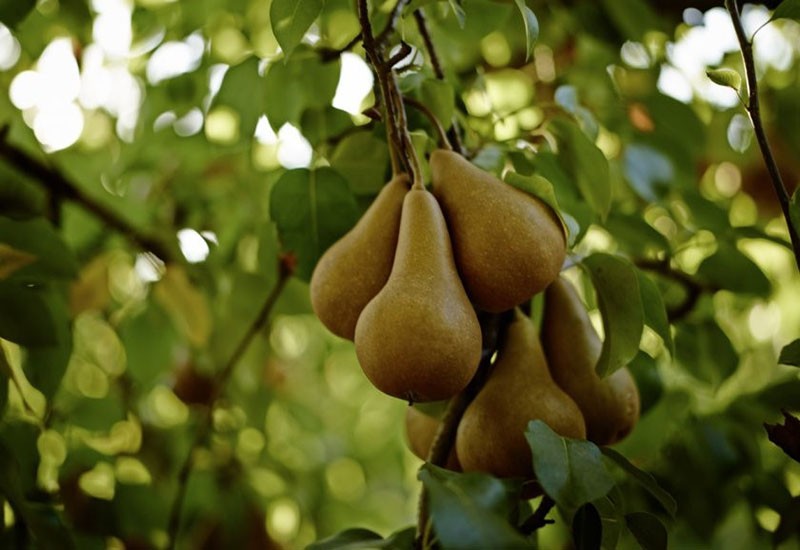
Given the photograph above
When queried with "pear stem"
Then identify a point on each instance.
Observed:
(444, 142)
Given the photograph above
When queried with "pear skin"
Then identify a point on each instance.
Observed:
(421, 431)
(352, 271)
(508, 245)
(572, 346)
(419, 338)
(490, 437)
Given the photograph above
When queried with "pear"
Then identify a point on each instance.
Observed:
(419, 338)
(491, 435)
(421, 431)
(572, 346)
(508, 245)
(352, 271)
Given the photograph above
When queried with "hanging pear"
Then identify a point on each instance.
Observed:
(572, 346)
(352, 271)
(508, 245)
(419, 338)
(490, 437)
(421, 431)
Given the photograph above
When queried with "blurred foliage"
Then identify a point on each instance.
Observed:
(195, 126)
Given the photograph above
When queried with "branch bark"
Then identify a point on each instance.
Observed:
(754, 110)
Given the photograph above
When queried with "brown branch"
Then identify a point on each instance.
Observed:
(220, 381)
(754, 110)
(539, 517)
(424, 31)
(58, 185)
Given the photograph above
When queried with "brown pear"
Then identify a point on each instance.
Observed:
(572, 346)
(352, 271)
(508, 245)
(419, 338)
(491, 435)
(421, 430)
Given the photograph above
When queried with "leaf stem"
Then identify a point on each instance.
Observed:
(754, 110)
(444, 142)
(220, 381)
(58, 185)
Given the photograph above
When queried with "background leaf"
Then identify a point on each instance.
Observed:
(14, 11)
(644, 479)
(790, 354)
(291, 19)
(648, 530)
(38, 238)
(24, 316)
(621, 307)
(312, 209)
(531, 26)
(587, 528)
(655, 313)
(788, 9)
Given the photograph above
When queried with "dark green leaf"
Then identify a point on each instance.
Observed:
(304, 82)
(730, 269)
(45, 366)
(788, 9)
(469, 510)
(725, 77)
(363, 160)
(14, 11)
(438, 96)
(655, 313)
(648, 530)
(706, 351)
(586, 164)
(620, 301)
(291, 19)
(790, 354)
(635, 234)
(531, 26)
(632, 17)
(37, 237)
(648, 380)
(648, 170)
(24, 316)
(535, 185)
(587, 528)
(571, 471)
(349, 538)
(323, 123)
(242, 90)
(311, 209)
(644, 479)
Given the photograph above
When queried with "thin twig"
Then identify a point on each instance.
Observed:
(443, 141)
(220, 381)
(58, 185)
(331, 54)
(754, 110)
(694, 288)
(539, 517)
(391, 24)
(424, 31)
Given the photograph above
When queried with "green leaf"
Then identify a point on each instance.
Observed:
(635, 234)
(587, 528)
(535, 185)
(648, 530)
(586, 164)
(242, 90)
(45, 366)
(469, 510)
(706, 351)
(655, 313)
(349, 538)
(37, 237)
(312, 209)
(24, 316)
(790, 354)
(651, 388)
(571, 471)
(620, 301)
(13, 12)
(291, 19)
(725, 77)
(438, 96)
(459, 12)
(644, 479)
(363, 159)
(730, 269)
(648, 170)
(531, 26)
(788, 9)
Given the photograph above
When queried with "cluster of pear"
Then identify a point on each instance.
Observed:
(548, 376)
(402, 283)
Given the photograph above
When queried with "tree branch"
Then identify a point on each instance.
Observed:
(286, 267)
(754, 110)
(539, 517)
(694, 288)
(391, 24)
(60, 186)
